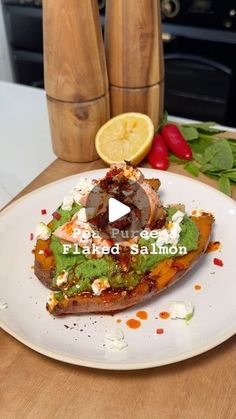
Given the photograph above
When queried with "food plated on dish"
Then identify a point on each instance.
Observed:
(90, 269)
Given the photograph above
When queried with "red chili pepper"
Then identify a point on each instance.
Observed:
(47, 252)
(160, 331)
(56, 215)
(218, 262)
(158, 155)
(43, 211)
(176, 142)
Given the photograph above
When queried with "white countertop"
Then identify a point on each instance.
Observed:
(25, 143)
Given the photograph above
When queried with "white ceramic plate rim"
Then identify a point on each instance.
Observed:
(115, 366)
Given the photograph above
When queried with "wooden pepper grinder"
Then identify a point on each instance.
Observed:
(75, 77)
(135, 57)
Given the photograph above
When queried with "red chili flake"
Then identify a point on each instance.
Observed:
(47, 252)
(43, 211)
(218, 262)
(160, 331)
(213, 247)
(31, 236)
(56, 215)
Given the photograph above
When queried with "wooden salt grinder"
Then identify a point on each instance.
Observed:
(135, 57)
(75, 77)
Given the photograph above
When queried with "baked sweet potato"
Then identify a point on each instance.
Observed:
(163, 275)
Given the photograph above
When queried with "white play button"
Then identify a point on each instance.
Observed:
(116, 210)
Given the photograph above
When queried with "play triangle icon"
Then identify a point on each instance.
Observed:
(116, 210)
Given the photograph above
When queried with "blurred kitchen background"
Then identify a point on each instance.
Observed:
(199, 46)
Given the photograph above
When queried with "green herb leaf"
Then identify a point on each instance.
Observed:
(192, 169)
(223, 159)
(198, 157)
(212, 175)
(224, 185)
(207, 167)
(189, 133)
(175, 159)
(201, 125)
(209, 153)
(199, 145)
(231, 174)
(208, 130)
(219, 155)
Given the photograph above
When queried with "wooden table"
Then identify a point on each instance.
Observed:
(33, 386)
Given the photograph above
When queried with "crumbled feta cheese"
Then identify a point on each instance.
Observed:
(77, 196)
(171, 234)
(115, 339)
(83, 187)
(62, 278)
(85, 214)
(174, 233)
(67, 203)
(42, 231)
(3, 305)
(41, 252)
(99, 285)
(178, 217)
(162, 237)
(181, 310)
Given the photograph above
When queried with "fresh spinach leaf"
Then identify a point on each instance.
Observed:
(189, 133)
(231, 174)
(212, 175)
(219, 155)
(224, 185)
(201, 125)
(198, 157)
(192, 169)
(209, 153)
(208, 130)
(175, 159)
(207, 167)
(199, 145)
(223, 159)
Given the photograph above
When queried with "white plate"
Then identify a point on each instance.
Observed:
(82, 343)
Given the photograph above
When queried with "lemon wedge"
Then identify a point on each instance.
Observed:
(126, 137)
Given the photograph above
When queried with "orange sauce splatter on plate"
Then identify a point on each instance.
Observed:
(133, 323)
(197, 287)
(164, 315)
(159, 331)
(142, 315)
(213, 247)
(118, 321)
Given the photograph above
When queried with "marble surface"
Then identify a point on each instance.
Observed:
(25, 144)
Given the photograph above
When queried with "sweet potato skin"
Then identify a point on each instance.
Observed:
(161, 277)
(44, 266)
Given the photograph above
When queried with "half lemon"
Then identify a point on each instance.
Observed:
(126, 137)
